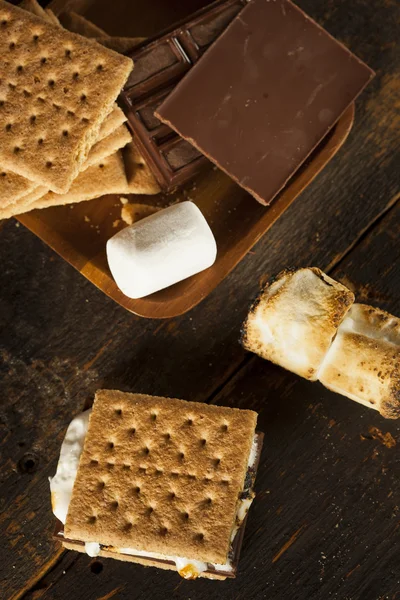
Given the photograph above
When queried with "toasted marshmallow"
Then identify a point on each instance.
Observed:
(294, 319)
(186, 567)
(160, 250)
(63, 481)
(92, 549)
(190, 570)
(363, 362)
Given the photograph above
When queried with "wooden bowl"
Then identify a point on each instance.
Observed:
(79, 232)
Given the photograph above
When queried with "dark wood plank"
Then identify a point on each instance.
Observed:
(60, 338)
(325, 521)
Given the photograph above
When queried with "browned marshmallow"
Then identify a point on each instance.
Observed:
(363, 362)
(294, 319)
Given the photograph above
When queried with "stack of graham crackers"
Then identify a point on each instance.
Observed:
(61, 133)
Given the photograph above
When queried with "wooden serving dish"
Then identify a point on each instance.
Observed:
(79, 232)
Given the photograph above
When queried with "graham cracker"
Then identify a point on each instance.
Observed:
(294, 319)
(23, 204)
(78, 24)
(114, 120)
(145, 562)
(51, 17)
(119, 44)
(34, 8)
(162, 475)
(34, 195)
(132, 213)
(13, 187)
(109, 145)
(106, 178)
(140, 179)
(112, 136)
(116, 117)
(364, 359)
(55, 91)
(109, 177)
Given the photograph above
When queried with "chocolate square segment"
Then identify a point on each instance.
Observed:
(159, 65)
(265, 94)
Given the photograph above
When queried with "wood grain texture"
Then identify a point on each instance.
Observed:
(60, 339)
(325, 520)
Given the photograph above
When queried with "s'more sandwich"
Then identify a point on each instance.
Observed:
(157, 481)
(308, 323)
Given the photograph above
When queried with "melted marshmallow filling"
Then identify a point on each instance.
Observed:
(62, 483)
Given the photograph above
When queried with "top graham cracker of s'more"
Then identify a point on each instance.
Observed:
(56, 88)
(161, 475)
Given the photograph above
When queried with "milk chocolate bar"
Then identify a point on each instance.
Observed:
(159, 65)
(266, 93)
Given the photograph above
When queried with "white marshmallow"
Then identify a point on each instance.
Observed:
(63, 481)
(92, 549)
(161, 250)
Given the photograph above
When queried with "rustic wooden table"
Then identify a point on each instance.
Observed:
(325, 523)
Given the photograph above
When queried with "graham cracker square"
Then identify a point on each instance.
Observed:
(56, 88)
(161, 475)
(13, 187)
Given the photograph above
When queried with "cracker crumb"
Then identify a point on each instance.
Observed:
(132, 213)
(87, 219)
(124, 200)
(116, 222)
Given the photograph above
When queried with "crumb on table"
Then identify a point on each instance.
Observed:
(132, 213)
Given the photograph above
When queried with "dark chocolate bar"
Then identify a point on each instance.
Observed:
(265, 94)
(159, 65)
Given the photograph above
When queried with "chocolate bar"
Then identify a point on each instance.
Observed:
(266, 93)
(159, 65)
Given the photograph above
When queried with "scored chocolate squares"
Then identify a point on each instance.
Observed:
(160, 63)
(161, 482)
(264, 95)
